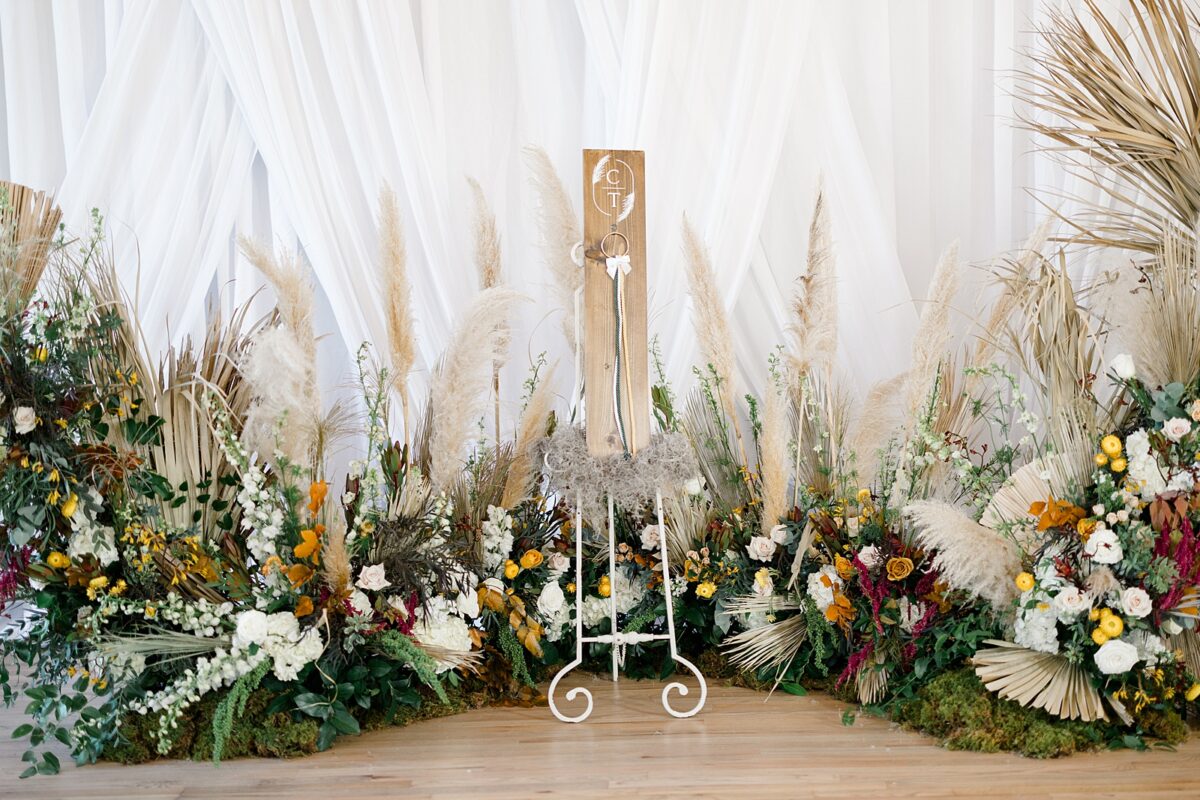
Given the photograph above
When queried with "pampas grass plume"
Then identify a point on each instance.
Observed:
(970, 557)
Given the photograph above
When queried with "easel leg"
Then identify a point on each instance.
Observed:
(612, 585)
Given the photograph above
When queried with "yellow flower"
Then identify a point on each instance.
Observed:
(863, 497)
(304, 606)
(899, 568)
(95, 585)
(41, 353)
(1193, 692)
(845, 569)
(118, 588)
(706, 589)
(133, 378)
(1024, 581)
(1105, 612)
(1118, 465)
(604, 589)
(68, 508)
(1094, 614)
(571, 588)
(511, 569)
(53, 476)
(1099, 636)
(1100, 459)
(310, 544)
(60, 422)
(1111, 446)
(1112, 626)
(531, 559)
(151, 611)
(58, 560)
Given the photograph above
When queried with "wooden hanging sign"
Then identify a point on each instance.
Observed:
(616, 383)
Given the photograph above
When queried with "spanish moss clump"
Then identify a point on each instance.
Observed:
(665, 465)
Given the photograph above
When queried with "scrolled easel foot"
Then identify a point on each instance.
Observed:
(684, 692)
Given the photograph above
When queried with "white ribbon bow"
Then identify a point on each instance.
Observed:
(614, 263)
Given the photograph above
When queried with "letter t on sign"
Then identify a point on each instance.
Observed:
(616, 384)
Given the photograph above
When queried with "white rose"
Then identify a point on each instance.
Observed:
(1136, 603)
(1070, 603)
(468, 603)
(24, 419)
(1124, 367)
(1176, 428)
(360, 603)
(761, 548)
(1103, 547)
(1171, 628)
(779, 534)
(1115, 657)
(494, 585)
(251, 627)
(870, 557)
(694, 487)
(283, 625)
(558, 563)
(650, 537)
(551, 600)
(372, 578)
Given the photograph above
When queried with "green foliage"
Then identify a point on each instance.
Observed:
(402, 648)
(233, 705)
(515, 654)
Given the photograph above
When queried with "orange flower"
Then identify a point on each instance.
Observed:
(274, 562)
(299, 575)
(845, 569)
(310, 545)
(1085, 527)
(899, 568)
(304, 607)
(316, 495)
(1056, 514)
(840, 612)
(531, 559)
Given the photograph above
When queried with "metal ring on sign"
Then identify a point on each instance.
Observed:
(577, 253)
(604, 249)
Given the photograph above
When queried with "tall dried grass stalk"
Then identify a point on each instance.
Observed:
(970, 557)
(28, 221)
(522, 471)
(559, 227)
(814, 323)
(458, 388)
(879, 420)
(1125, 105)
(931, 343)
(397, 293)
(335, 558)
(487, 263)
(773, 458)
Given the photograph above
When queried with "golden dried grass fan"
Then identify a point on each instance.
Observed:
(771, 646)
(1038, 680)
(28, 221)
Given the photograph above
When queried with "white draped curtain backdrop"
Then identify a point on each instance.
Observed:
(187, 123)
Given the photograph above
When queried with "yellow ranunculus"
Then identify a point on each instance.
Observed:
(706, 589)
(511, 569)
(1118, 465)
(58, 560)
(1099, 636)
(1024, 581)
(1111, 446)
(604, 589)
(1112, 625)
(68, 508)
(531, 559)
(899, 568)
(1193, 692)
(864, 496)
(1100, 459)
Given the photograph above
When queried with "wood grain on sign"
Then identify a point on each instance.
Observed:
(614, 202)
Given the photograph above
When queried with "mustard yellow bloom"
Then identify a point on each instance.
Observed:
(58, 560)
(706, 589)
(511, 569)
(1112, 625)
(1099, 636)
(1193, 692)
(68, 507)
(1024, 581)
(1118, 465)
(531, 559)
(1111, 446)
(1100, 459)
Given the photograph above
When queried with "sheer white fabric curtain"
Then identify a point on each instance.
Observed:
(187, 123)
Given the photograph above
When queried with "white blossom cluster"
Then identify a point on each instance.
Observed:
(200, 617)
(497, 539)
(280, 637)
(441, 624)
(88, 537)
(822, 584)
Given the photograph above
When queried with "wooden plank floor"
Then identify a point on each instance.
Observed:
(739, 746)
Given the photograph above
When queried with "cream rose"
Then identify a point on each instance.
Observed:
(1104, 547)
(1124, 367)
(779, 534)
(1070, 603)
(360, 603)
(24, 419)
(372, 578)
(551, 599)
(761, 548)
(870, 557)
(558, 563)
(650, 537)
(1176, 428)
(1115, 657)
(251, 627)
(1135, 602)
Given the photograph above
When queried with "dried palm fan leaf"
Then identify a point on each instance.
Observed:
(482, 483)
(1123, 105)
(1054, 475)
(806, 540)
(397, 293)
(467, 660)
(820, 418)
(457, 391)
(534, 420)
(879, 420)
(1189, 644)
(1038, 680)
(770, 646)
(871, 682)
(772, 458)
(814, 324)
(970, 557)
(28, 222)
(710, 438)
(487, 262)
(1163, 336)
(559, 227)
(757, 604)
(712, 328)
(686, 522)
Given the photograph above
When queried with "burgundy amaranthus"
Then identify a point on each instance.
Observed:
(1186, 560)
(12, 576)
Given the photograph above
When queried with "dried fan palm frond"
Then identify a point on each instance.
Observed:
(28, 222)
(560, 232)
(806, 540)
(1125, 105)
(773, 645)
(715, 452)
(458, 389)
(163, 644)
(534, 420)
(772, 458)
(468, 660)
(687, 525)
(820, 419)
(879, 420)
(814, 324)
(1038, 680)
(932, 339)
(1188, 642)
(397, 293)
(970, 557)
(756, 604)
(411, 502)
(1163, 336)
(1039, 480)
(871, 683)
